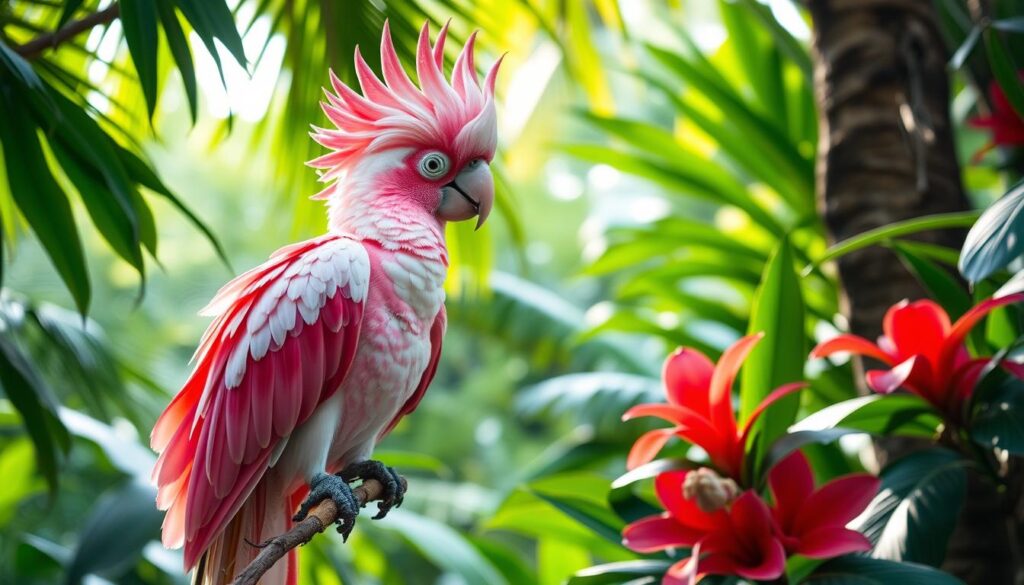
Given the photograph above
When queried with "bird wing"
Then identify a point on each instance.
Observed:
(282, 342)
(436, 337)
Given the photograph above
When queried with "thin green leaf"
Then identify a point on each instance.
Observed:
(621, 572)
(778, 312)
(178, 44)
(33, 400)
(965, 49)
(139, 21)
(212, 19)
(445, 547)
(1004, 69)
(70, 7)
(41, 200)
(1013, 24)
(893, 230)
(859, 570)
(896, 414)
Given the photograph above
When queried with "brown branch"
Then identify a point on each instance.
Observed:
(36, 46)
(320, 517)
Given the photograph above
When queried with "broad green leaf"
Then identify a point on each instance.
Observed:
(41, 200)
(18, 468)
(999, 421)
(139, 21)
(445, 547)
(598, 519)
(917, 506)
(1004, 69)
(408, 460)
(859, 570)
(621, 572)
(34, 401)
(940, 284)
(557, 560)
(778, 359)
(178, 44)
(122, 522)
(894, 414)
(893, 230)
(995, 240)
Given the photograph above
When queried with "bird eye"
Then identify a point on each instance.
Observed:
(434, 165)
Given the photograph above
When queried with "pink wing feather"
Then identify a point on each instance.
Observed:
(283, 340)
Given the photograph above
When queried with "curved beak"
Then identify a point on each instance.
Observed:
(469, 194)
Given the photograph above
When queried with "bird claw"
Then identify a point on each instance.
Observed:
(325, 486)
(394, 488)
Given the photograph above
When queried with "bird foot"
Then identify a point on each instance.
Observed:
(394, 487)
(325, 486)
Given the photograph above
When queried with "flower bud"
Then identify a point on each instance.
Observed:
(708, 490)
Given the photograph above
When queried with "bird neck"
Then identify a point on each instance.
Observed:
(396, 224)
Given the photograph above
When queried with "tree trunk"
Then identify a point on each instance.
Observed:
(886, 154)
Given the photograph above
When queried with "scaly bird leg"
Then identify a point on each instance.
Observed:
(394, 487)
(324, 486)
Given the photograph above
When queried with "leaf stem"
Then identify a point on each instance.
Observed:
(34, 48)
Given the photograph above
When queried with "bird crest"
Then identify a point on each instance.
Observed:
(456, 115)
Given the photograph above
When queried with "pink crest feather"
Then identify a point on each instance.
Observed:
(456, 115)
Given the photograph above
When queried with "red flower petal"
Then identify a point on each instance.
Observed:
(655, 533)
(792, 482)
(828, 542)
(669, 487)
(687, 375)
(751, 517)
(720, 395)
(836, 503)
(689, 425)
(964, 324)
(888, 381)
(647, 446)
(776, 395)
(852, 344)
(730, 554)
(917, 328)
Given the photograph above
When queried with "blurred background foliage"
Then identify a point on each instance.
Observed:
(652, 156)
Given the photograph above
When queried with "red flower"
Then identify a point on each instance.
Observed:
(813, 522)
(700, 406)
(925, 352)
(1006, 125)
(735, 540)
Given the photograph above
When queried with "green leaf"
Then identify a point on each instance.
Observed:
(598, 519)
(785, 40)
(212, 19)
(122, 522)
(793, 441)
(995, 240)
(621, 572)
(883, 415)
(41, 200)
(178, 44)
(1012, 24)
(778, 359)
(445, 547)
(858, 570)
(34, 401)
(139, 18)
(411, 460)
(940, 285)
(1004, 69)
(965, 49)
(70, 6)
(899, 228)
(917, 506)
(999, 421)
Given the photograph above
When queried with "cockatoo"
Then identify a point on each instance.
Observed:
(315, 355)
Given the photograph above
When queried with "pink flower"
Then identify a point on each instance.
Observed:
(813, 522)
(738, 539)
(699, 396)
(1006, 126)
(925, 353)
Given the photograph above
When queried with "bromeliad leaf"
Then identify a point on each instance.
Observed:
(940, 285)
(621, 572)
(996, 239)
(858, 570)
(916, 509)
(999, 422)
(896, 414)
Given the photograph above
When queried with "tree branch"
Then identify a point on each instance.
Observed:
(36, 46)
(320, 517)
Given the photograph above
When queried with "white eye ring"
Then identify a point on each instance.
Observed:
(434, 165)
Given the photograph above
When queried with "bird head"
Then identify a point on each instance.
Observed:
(398, 145)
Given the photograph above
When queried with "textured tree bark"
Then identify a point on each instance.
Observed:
(886, 154)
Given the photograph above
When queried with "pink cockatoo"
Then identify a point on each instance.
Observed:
(316, 354)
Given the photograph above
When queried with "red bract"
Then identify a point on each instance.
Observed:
(737, 540)
(699, 404)
(813, 522)
(925, 353)
(1006, 126)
